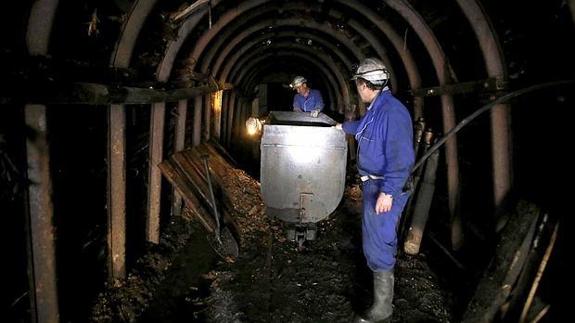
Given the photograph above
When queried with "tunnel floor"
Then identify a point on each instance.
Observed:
(273, 279)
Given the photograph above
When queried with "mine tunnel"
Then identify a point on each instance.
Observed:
(132, 191)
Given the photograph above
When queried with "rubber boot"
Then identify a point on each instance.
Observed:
(382, 308)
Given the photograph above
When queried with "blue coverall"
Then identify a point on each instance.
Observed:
(385, 149)
(313, 101)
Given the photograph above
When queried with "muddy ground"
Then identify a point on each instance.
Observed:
(273, 279)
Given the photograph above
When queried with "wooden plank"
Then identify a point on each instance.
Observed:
(186, 172)
(42, 265)
(197, 134)
(195, 180)
(116, 193)
(180, 137)
(176, 178)
(222, 152)
(155, 176)
(194, 162)
(207, 113)
(495, 286)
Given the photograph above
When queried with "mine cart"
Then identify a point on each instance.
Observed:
(303, 165)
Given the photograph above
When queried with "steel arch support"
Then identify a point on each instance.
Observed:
(444, 75)
(500, 116)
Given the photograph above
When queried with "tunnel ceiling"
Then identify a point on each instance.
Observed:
(238, 41)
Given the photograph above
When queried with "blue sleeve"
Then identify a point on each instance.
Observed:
(295, 104)
(399, 154)
(350, 127)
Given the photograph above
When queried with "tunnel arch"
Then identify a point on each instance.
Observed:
(341, 83)
(225, 70)
(252, 75)
(343, 87)
(224, 55)
(263, 9)
(398, 43)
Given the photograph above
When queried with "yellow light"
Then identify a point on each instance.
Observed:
(253, 126)
(217, 101)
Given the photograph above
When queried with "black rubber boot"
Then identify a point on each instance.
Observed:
(382, 308)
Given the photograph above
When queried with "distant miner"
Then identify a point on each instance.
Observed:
(306, 99)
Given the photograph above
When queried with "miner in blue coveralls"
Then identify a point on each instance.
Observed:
(306, 99)
(385, 157)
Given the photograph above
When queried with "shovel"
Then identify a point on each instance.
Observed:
(223, 242)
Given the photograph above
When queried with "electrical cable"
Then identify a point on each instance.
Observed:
(489, 106)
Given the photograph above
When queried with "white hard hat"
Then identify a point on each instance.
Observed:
(297, 81)
(372, 70)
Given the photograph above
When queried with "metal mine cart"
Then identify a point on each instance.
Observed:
(303, 164)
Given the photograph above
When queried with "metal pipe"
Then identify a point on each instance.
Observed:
(212, 199)
(422, 206)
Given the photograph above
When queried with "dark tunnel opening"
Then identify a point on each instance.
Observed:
(189, 74)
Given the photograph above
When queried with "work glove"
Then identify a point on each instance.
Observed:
(314, 113)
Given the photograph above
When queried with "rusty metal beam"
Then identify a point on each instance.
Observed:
(100, 94)
(445, 76)
(233, 19)
(173, 47)
(259, 26)
(324, 28)
(131, 28)
(116, 237)
(40, 26)
(398, 44)
(501, 147)
(232, 46)
(155, 176)
(240, 10)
